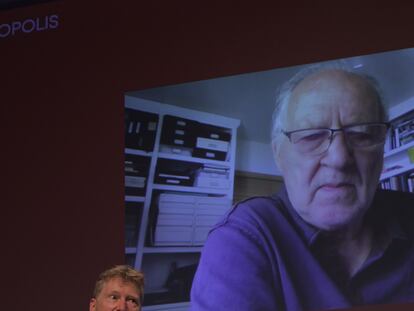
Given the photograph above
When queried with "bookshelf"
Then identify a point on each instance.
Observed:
(398, 169)
(187, 160)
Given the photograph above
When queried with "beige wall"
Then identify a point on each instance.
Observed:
(252, 184)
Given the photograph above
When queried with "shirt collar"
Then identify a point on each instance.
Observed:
(308, 231)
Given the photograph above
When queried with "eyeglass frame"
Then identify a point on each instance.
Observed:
(332, 131)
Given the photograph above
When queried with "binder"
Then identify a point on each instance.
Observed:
(136, 173)
(209, 154)
(213, 132)
(172, 172)
(140, 129)
(178, 131)
(133, 215)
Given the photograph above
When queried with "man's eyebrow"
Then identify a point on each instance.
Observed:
(132, 296)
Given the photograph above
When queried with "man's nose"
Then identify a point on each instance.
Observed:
(121, 305)
(339, 153)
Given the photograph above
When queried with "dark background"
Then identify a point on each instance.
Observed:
(12, 4)
(62, 114)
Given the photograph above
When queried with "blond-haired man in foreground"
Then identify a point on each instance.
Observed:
(118, 288)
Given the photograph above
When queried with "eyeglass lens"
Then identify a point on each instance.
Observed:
(358, 136)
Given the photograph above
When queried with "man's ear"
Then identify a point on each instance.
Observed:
(276, 154)
(92, 304)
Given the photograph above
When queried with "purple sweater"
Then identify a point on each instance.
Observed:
(263, 256)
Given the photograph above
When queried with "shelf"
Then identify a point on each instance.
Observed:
(399, 159)
(191, 189)
(398, 150)
(130, 198)
(130, 250)
(173, 249)
(405, 168)
(169, 306)
(138, 152)
(171, 156)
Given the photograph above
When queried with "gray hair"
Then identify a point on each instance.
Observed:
(284, 93)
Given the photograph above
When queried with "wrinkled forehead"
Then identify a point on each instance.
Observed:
(329, 93)
(118, 282)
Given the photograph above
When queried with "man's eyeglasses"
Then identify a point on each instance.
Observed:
(317, 140)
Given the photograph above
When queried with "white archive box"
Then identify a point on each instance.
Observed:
(207, 220)
(212, 144)
(213, 205)
(200, 235)
(176, 208)
(211, 182)
(212, 177)
(169, 203)
(173, 236)
(135, 181)
(176, 150)
(187, 219)
(173, 201)
(175, 220)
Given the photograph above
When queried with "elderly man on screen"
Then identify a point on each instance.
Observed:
(329, 238)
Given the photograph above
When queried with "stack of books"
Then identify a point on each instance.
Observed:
(399, 183)
(402, 133)
(140, 129)
(136, 173)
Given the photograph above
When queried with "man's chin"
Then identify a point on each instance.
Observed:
(342, 197)
(334, 218)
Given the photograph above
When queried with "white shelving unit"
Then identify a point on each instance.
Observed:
(397, 161)
(155, 261)
(189, 189)
(131, 198)
(138, 152)
(182, 249)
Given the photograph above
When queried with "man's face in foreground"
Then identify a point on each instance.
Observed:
(116, 295)
(334, 189)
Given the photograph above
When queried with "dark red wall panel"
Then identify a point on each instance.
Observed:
(62, 113)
